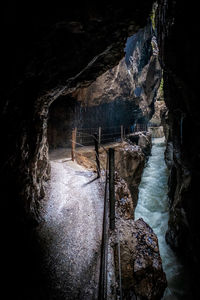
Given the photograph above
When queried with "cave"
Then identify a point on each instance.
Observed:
(90, 65)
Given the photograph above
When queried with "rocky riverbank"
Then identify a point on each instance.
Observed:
(140, 261)
(129, 160)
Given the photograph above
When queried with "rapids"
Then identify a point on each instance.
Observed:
(153, 208)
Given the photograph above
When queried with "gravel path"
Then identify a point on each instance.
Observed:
(71, 231)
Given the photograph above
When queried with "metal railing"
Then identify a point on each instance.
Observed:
(98, 137)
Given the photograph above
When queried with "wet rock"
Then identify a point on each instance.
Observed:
(149, 277)
(134, 80)
(159, 106)
(141, 264)
(142, 139)
(156, 132)
(124, 201)
(177, 44)
(129, 163)
(155, 125)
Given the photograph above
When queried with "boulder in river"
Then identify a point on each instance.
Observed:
(141, 264)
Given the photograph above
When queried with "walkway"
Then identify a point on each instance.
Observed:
(71, 232)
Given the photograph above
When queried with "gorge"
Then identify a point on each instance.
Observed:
(62, 62)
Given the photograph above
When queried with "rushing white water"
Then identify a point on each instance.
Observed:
(153, 208)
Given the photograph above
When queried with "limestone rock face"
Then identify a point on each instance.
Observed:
(149, 278)
(136, 78)
(143, 140)
(141, 264)
(49, 49)
(129, 163)
(155, 125)
(124, 201)
(159, 106)
(156, 132)
(179, 56)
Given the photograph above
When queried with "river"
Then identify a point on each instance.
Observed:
(153, 208)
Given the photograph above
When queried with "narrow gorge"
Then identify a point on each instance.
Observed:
(100, 156)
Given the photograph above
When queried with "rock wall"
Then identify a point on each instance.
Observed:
(129, 163)
(48, 50)
(123, 95)
(177, 31)
(140, 261)
(136, 78)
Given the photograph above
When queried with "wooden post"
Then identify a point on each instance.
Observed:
(99, 135)
(121, 133)
(72, 150)
(96, 144)
(112, 187)
(74, 132)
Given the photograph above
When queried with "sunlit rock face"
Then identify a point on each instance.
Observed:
(129, 163)
(135, 79)
(123, 95)
(143, 140)
(178, 27)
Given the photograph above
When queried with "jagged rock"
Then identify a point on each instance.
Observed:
(155, 125)
(141, 264)
(124, 201)
(156, 132)
(177, 44)
(159, 106)
(136, 78)
(142, 139)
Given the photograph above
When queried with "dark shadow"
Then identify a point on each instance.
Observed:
(91, 181)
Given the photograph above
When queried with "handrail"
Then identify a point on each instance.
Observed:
(102, 295)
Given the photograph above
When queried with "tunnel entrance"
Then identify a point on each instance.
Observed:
(116, 108)
(62, 52)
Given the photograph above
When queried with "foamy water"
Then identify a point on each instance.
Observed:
(153, 208)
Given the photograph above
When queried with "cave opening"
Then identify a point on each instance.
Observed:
(74, 59)
(131, 94)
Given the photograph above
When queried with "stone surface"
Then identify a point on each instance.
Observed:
(149, 278)
(156, 132)
(48, 49)
(136, 78)
(143, 140)
(129, 163)
(159, 106)
(124, 201)
(179, 56)
(141, 265)
(123, 95)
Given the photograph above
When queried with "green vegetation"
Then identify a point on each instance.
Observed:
(160, 91)
(153, 15)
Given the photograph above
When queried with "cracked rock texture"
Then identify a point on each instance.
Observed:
(49, 49)
(141, 264)
(129, 163)
(178, 27)
(135, 79)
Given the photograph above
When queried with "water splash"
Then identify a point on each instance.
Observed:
(153, 208)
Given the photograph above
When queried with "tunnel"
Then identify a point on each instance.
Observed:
(98, 65)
